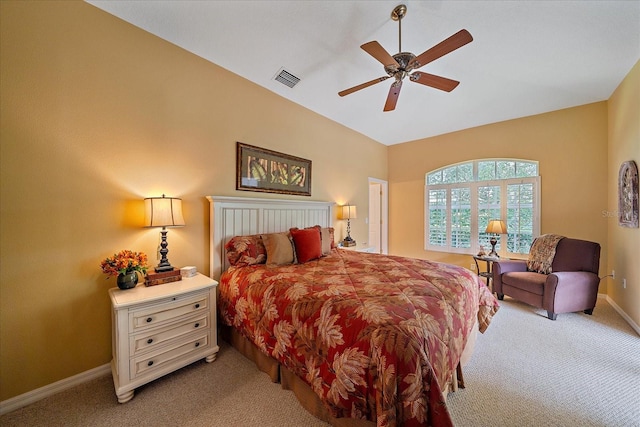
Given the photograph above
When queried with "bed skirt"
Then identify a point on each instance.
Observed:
(303, 392)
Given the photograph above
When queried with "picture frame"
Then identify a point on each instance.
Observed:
(628, 195)
(267, 171)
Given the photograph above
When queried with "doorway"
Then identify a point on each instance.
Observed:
(378, 215)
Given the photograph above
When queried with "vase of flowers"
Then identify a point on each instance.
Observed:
(127, 280)
(125, 265)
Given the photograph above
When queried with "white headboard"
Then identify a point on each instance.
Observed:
(240, 216)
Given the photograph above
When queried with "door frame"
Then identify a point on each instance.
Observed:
(384, 213)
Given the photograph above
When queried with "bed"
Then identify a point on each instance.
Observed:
(362, 339)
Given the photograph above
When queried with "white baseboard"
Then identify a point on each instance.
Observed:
(51, 389)
(621, 312)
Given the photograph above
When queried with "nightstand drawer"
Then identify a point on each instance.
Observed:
(155, 361)
(151, 339)
(164, 313)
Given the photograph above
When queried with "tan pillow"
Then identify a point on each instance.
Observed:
(326, 235)
(279, 248)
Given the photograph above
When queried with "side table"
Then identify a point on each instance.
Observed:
(488, 272)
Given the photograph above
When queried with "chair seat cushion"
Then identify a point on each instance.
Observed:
(527, 281)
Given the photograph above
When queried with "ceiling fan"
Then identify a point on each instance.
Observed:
(401, 64)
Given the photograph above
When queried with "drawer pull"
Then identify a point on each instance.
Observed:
(150, 362)
(197, 344)
(197, 305)
(149, 319)
(197, 325)
(150, 340)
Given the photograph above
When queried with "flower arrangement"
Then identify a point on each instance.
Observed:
(124, 262)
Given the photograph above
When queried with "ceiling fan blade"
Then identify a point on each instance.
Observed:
(454, 42)
(392, 98)
(362, 86)
(374, 49)
(434, 81)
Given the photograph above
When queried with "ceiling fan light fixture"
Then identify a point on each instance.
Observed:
(404, 63)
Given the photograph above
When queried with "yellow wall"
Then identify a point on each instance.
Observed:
(580, 151)
(96, 115)
(571, 146)
(624, 145)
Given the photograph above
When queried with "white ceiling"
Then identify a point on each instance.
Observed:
(527, 57)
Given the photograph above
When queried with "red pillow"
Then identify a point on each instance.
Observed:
(308, 243)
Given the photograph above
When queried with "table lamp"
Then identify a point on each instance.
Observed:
(348, 212)
(495, 226)
(163, 212)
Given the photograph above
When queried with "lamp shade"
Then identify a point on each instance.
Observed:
(163, 212)
(496, 226)
(349, 212)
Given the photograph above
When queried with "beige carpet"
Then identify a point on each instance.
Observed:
(527, 371)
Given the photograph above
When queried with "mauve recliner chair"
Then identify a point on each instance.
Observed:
(571, 286)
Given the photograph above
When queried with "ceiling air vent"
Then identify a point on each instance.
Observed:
(286, 78)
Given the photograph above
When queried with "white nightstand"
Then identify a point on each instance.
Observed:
(159, 329)
(360, 248)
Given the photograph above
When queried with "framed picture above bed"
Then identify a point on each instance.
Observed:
(259, 169)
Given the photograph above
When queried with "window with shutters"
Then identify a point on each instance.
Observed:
(461, 199)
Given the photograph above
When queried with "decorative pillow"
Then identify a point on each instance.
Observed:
(326, 235)
(246, 250)
(542, 252)
(308, 243)
(279, 248)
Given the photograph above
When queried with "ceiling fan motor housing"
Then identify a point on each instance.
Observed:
(404, 61)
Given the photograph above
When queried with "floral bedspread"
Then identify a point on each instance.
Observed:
(375, 336)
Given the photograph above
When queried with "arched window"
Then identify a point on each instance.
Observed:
(460, 200)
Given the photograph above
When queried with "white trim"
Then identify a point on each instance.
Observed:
(33, 396)
(621, 312)
(384, 213)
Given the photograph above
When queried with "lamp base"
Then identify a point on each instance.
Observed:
(493, 252)
(164, 264)
(348, 241)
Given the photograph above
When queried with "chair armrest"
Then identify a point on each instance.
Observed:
(570, 285)
(506, 266)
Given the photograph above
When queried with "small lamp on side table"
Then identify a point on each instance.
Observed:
(163, 212)
(348, 212)
(495, 226)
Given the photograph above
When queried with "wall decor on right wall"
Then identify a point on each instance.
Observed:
(628, 195)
